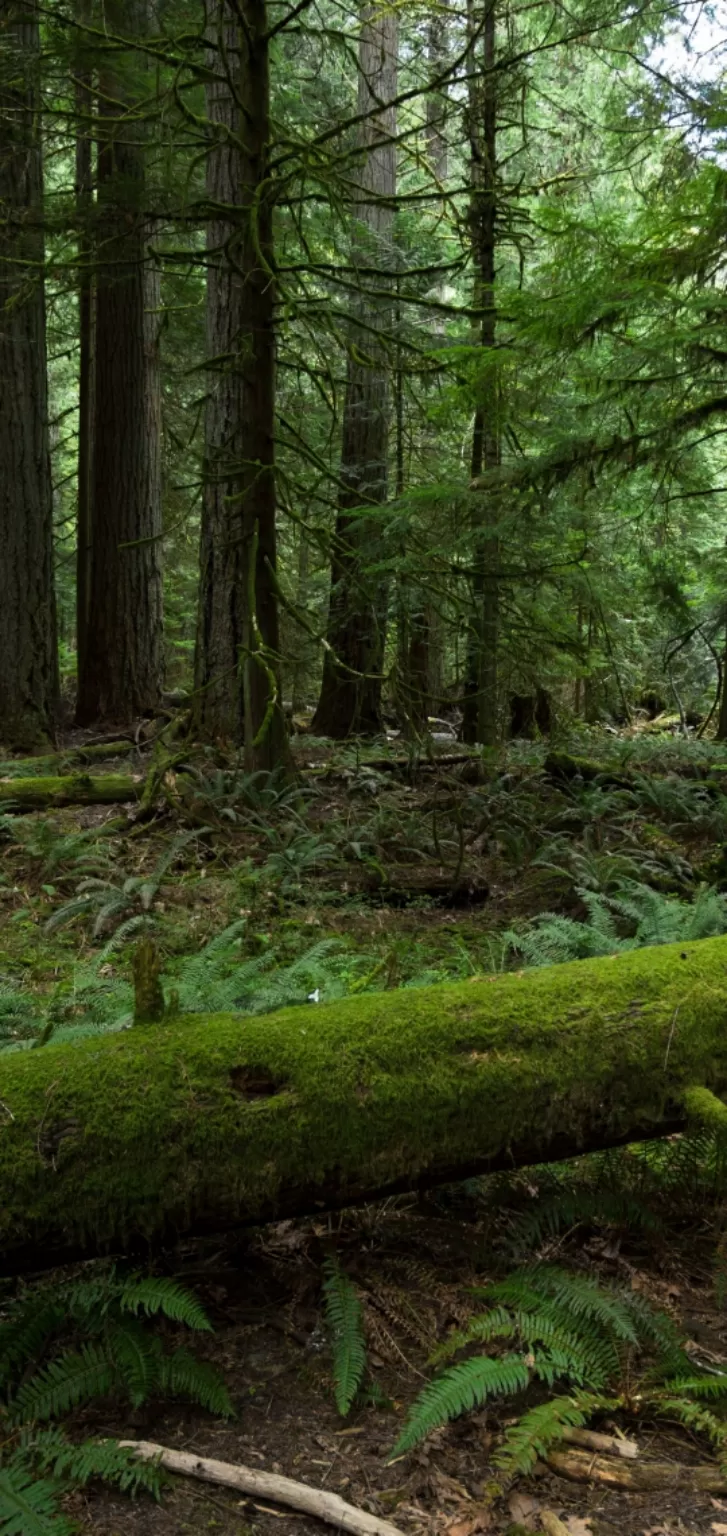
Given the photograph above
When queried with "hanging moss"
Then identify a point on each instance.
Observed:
(208, 1120)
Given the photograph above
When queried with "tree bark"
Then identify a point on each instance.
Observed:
(420, 656)
(480, 713)
(238, 643)
(28, 656)
(350, 699)
(86, 328)
(123, 671)
(201, 1122)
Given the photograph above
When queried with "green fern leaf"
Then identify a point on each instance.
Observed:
(64, 1383)
(538, 1429)
(155, 1294)
(462, 1387)
(29, 1506)
(181, 1375)
(345, 1322)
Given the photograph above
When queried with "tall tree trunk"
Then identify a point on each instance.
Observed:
(350, 701)
(421, 662)
(480, 721)
(28, 655)
(86, 327)
(238, 645)
(123, 672)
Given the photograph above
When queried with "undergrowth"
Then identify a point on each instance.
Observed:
(66, 1344)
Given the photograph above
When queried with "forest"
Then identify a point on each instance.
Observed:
(363, 767)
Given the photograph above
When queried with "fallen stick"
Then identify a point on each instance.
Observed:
(266, 1485)
(639, 1477)
(551, 1524)
(609, 1445)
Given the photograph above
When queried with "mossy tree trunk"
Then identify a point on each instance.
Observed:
(201, 1122)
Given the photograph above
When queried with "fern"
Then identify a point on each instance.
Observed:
(527, 1441)
(29, 1505)
(463, 1387)
(345, 1323)
(64, 1383)
(648, 915)
(567, 1328)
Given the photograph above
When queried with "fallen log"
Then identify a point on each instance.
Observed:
(45, 793)
(202, 1122)
(27, 767)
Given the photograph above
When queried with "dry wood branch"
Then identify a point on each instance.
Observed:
(640, 1476)
(266, 1485)
(607, 1445)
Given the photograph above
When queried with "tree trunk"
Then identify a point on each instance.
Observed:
(28, 657)
(123, 672)
(238, 646)
(86, 327)
(350, 700)
(480, 722)
(721, 732)
(201, 1122)
(421, 649)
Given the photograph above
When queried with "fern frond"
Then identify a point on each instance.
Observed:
(345, 1321)
(538, 1429)
(462, 1387)
(29, 1505)
(155, 1294)
(64, 1383)
(50, 1451)
(136, 1355)
(181, 1375)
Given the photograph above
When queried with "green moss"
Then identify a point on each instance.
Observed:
(705, 1110)
(21, 767)
(210, 1119)
(73, 789)
(563, 765)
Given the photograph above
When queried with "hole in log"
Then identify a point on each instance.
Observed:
(255, 1083)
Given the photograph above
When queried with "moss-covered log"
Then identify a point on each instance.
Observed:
(208, 1121)
(44, 793)
(28, 767)
(564, 766)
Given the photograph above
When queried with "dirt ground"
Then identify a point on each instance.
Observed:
(413, 1266)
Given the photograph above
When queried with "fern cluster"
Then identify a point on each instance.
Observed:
(63, 1345)
(565, 1328)
(635, 916)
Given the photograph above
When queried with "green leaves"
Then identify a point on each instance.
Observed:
(345, 1322)
(568, 1328)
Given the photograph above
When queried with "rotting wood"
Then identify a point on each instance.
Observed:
(637, 1476)
(329, 1507)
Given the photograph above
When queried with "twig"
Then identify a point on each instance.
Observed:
(266, 1485)
(610, 1445)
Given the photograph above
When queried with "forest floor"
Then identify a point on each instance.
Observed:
(380, 867)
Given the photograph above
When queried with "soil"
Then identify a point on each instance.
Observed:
(413, 1266)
